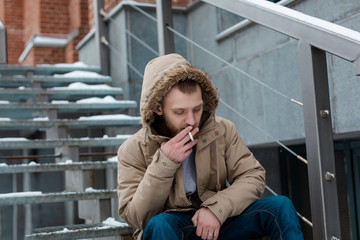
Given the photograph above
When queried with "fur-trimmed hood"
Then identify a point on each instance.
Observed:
(164, 72)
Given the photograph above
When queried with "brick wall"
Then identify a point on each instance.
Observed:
(110, 4)
(11, 15)
(24, 19)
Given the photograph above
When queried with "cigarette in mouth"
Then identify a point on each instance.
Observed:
(191, 136)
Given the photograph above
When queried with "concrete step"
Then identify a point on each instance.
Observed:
(99, 121)
(21, 198)
(81, 231)
(11, 94)
(23, 143)
(50, 81)
(29, 110)
(44, 69)
(55, 167)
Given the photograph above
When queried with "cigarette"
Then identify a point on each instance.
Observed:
(191, 136)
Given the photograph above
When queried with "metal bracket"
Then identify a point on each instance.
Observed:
(329, 176)
(357, 67)
(324, 113)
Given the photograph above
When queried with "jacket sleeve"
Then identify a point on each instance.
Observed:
(245, 175)
(142, 190)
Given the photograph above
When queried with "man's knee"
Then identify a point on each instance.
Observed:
(281, 201)
(160, 220)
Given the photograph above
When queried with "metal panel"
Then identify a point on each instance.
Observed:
(164, 17)
(3, 44)
(319, 143)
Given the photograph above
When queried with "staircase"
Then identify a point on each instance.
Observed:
(60, 127)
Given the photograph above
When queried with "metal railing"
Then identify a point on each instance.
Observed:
(3, 44)
(316, 38)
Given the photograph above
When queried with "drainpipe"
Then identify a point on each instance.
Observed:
(3, 44)
(164, 19)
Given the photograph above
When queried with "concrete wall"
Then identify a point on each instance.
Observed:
(272, 59)
(264, 112)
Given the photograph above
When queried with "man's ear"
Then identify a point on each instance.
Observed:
(158, 110)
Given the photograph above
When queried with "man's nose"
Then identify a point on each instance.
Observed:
(190, 119)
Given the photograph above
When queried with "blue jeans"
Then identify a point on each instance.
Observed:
(272, 216)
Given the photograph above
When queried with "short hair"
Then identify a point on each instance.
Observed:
(187, 86)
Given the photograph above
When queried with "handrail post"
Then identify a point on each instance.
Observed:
(164, 19)
(101, 35)
(3, 44)
(319, 143)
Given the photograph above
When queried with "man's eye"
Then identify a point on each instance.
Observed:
(179, 112)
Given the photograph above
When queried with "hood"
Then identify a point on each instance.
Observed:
(164, 72)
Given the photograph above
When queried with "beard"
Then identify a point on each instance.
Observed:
(172, 130)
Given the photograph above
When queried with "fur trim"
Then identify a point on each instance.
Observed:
(167, 79)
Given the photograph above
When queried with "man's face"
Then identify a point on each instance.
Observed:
(181, 110)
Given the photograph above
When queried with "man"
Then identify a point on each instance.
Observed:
(187, 174)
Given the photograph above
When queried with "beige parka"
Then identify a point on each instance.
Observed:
(149, 183)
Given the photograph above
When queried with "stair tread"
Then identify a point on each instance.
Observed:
(82, 122)
(36, 197)
(49, 81)
(62, 166)
(56, 94)
(45, 69)
(18, 143)
(94, 230)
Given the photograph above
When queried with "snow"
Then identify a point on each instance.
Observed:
(3, 165)
(75, 64)
(20, 194)
(33, 163)
(112, 222)
(107, 117)
(5, 119)
(66, 162)
(80, 74)
(90, 189)
(305, 19)
(21, 88)
(123, 136)
(4, 102)
(112, 159)
(41, 119)
(107, 99)
(12, 139)
(80, 85)
(60, 102)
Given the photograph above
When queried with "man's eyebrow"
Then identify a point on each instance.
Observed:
(181, 108)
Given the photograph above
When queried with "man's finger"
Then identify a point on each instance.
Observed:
(180, 136)
(194, 219)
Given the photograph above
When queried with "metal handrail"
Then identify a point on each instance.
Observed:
(340, 41)
(3, 44)
(316, 37)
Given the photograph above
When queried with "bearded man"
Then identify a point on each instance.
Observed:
(186, 174)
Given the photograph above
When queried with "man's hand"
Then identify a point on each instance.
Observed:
(179, 148)
(206, 223)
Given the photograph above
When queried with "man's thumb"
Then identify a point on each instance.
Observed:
(195, 218)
